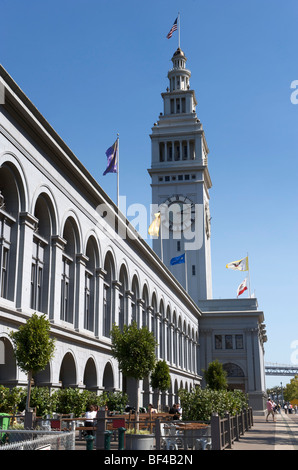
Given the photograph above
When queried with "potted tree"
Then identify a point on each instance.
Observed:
(33, 349)
(160, 378)
(134, 349)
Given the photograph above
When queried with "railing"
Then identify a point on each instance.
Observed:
(37, 440)
(224, 431)
(218, 434)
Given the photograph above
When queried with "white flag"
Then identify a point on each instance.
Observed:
(240, 265)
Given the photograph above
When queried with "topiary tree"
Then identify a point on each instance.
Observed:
(33, 347)
(41, 399)
(160, 377)
(215, 376)
(71, 400)
(134, 349)
(10, 399)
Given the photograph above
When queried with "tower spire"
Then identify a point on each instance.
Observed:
(181, 183)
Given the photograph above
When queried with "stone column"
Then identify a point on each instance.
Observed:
(150, 315)
(128, 296)
(140, 307)
(172, 333)
(116, 303)
(158, 349)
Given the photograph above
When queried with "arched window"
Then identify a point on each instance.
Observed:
(175, 342)
(108, 294)
(123, 313)
(145, 298)
(135, 297)
(9, 210)
(41, 255)
(161, 331)
(168, 336)
(90, 287)
(68, 275)
(233, 370)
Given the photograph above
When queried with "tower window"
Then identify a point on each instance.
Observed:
(178, 246)
(169, 152)
(161, 152)
(172, 106)
(193, 269)
(167, 178)
(229, 341)
(239, 341)
(183, 105)
(186, 177)
(218, 342)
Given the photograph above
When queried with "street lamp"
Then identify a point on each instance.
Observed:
(282, 395)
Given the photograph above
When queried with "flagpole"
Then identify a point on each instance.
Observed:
(179, 30)
(248, 277)
(161, 246)
(186, 283)
(118, 170)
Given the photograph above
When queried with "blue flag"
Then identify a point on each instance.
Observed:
(178, 260)
(111, 154)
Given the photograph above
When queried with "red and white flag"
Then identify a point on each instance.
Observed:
(242, 288)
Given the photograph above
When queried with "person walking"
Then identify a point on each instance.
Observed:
(270, 410)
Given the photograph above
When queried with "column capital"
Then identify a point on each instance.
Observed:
(117, 285)
(58, 241)
(101, 272)
(28, 219)
(82, 259)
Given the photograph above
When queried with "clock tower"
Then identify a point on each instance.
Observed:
(180, 184)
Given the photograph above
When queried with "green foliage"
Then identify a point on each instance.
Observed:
(63, 401)
(198, 405)
(134, 348)
(40, 399)
(133, 431)
(215, 376)
(71, 400)
(33, 347)
(10, 399)
(160, 377)
(116, 401)
(291, 390)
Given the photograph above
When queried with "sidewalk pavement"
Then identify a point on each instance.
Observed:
(279, 435)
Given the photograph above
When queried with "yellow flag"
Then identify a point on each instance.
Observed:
(240, 265)
(154, 227)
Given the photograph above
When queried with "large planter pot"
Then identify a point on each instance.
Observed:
(139, 441)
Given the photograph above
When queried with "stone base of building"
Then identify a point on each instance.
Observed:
(257, 400)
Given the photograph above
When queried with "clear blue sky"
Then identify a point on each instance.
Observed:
(97, 67)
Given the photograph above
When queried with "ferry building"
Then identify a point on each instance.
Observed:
(60, 255)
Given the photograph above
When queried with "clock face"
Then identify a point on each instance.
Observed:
(178, 213)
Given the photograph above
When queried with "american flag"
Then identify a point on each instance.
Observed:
(173, 28)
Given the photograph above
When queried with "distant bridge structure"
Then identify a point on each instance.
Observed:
(281, 369)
